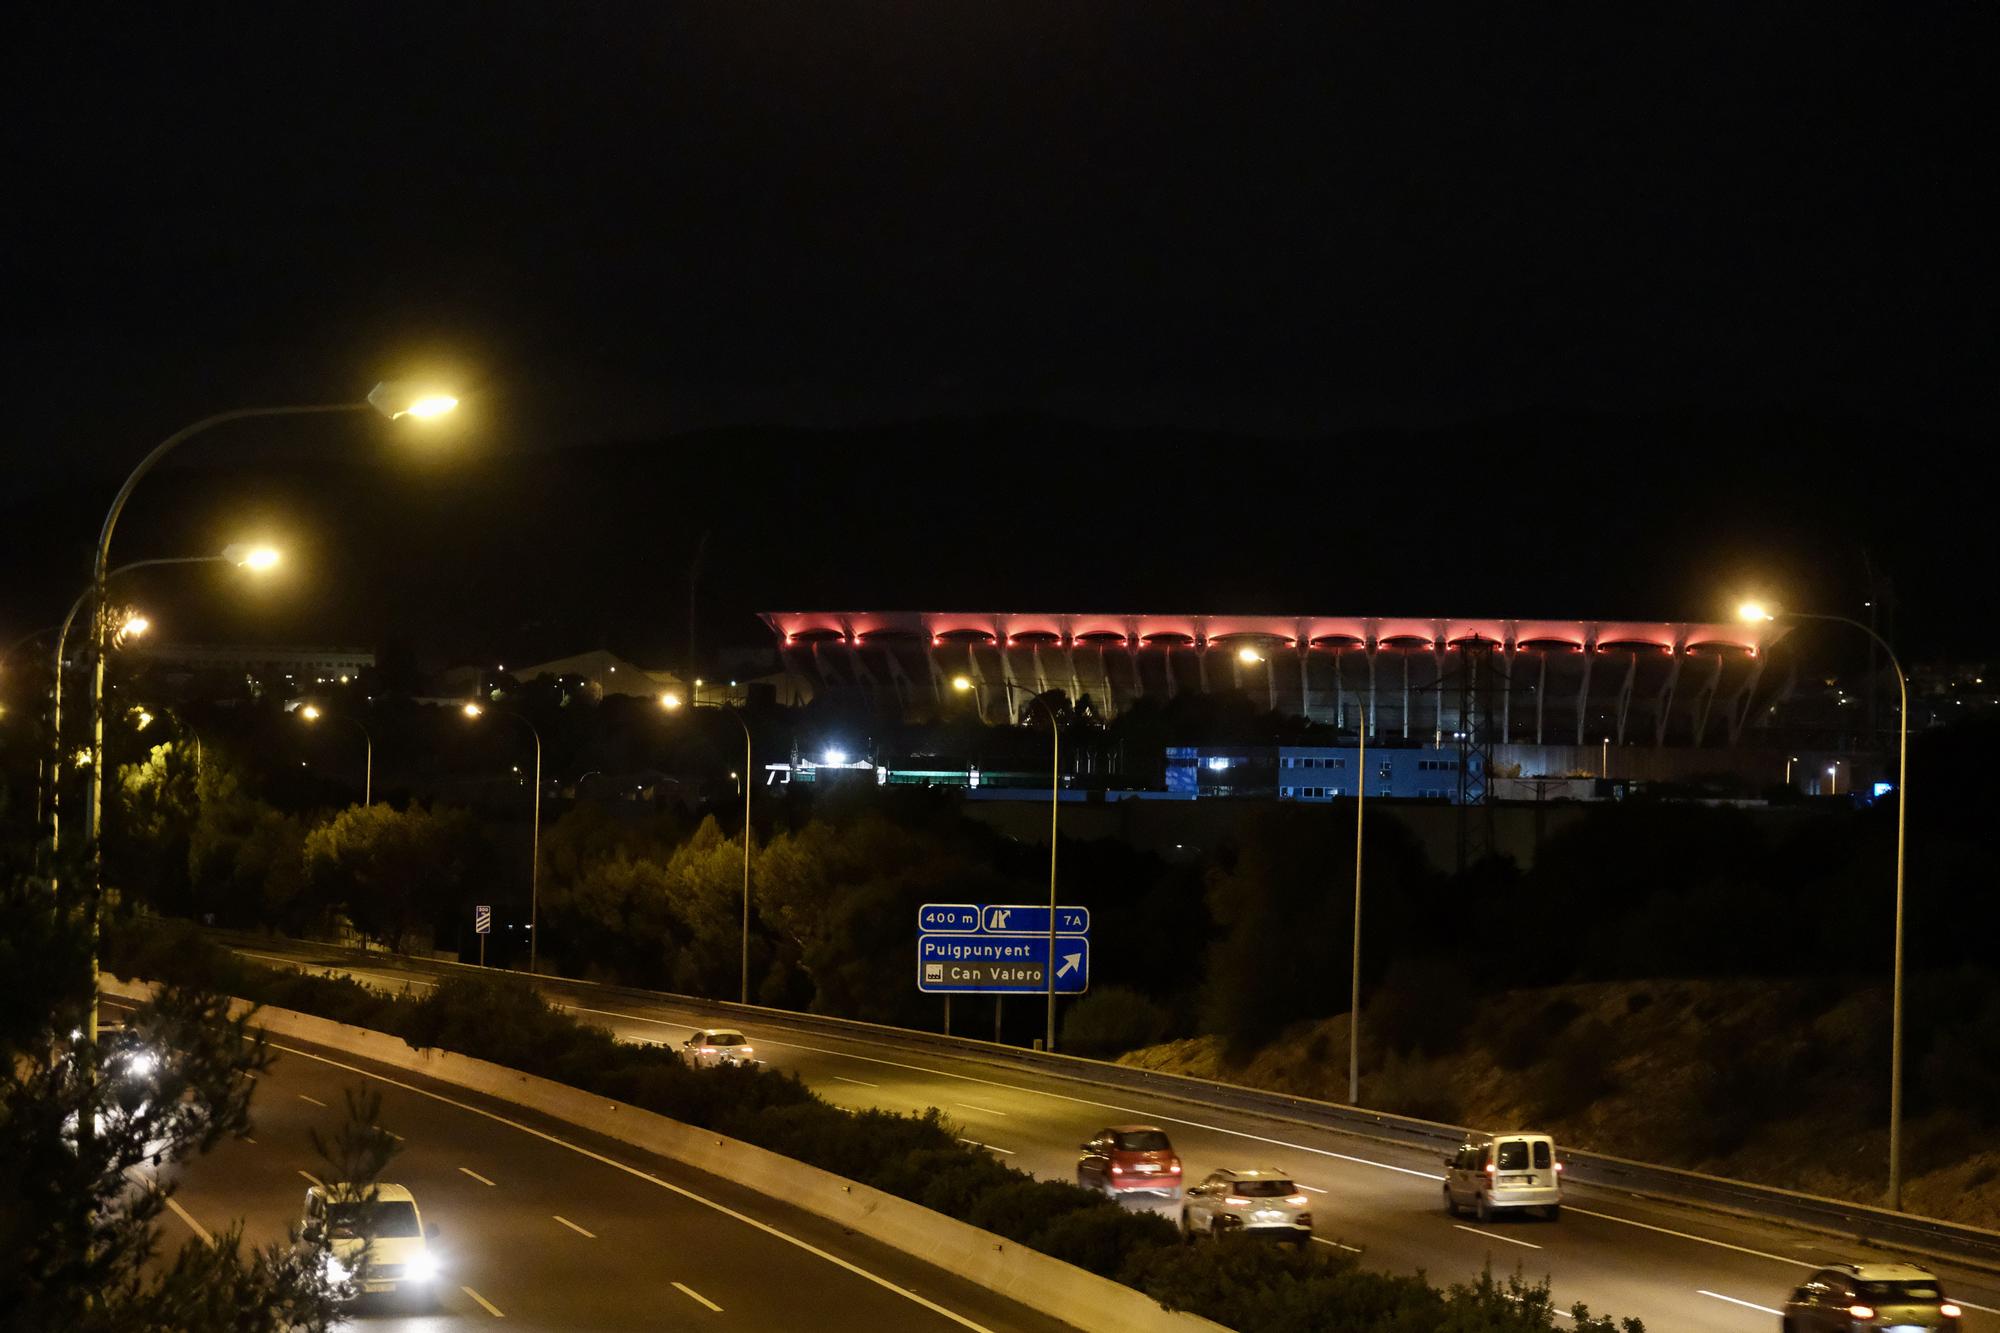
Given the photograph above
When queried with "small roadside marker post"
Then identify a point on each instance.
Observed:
(482, 923)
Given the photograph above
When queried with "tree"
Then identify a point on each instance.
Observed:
(82, 1127)
(393, 872)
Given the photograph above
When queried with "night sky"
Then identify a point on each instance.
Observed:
(1333, 307)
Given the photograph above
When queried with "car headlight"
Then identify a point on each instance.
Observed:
(421, 1268)
(337, 1270)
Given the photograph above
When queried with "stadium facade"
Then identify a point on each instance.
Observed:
(1567, 683)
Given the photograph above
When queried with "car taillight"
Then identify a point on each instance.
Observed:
(1948, 1310)
(1117, 1170)
(1861, 1311)
(1296, 1200)
(1492, 1168)
(1559, 1168)
(1174, 1165)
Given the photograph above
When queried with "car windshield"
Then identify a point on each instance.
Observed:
(393, 1218)
(1262, 1189)
(1514, 1155)
(1898, 1293)
(1141, 1140)
(726, 1039)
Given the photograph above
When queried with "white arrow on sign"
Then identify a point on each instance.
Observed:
(1071, 961)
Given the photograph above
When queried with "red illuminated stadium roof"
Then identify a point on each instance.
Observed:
(1135, 630)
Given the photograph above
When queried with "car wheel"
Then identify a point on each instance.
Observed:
(1480, 1208)
(1553, 1212)
(1450, 1204)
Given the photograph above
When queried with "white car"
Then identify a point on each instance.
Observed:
(381, 1220)
(1506, 1172)
(1264, 1202)
(710, 1047)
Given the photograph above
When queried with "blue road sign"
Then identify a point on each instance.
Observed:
(1019, 919)
(948, 918)
(482, 920)
(1001, 965)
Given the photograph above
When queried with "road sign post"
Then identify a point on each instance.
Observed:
(482, 925)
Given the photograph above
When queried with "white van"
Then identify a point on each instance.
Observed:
(1512, 1169)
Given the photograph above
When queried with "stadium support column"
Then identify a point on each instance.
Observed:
(1305, 678)
(1583, 692)
(1405, 655)
(1707, 702)
(1666, 700)
(1541, 691)
(1368, 714)
(1625, 691)
(1507, 699)
(1746, 699)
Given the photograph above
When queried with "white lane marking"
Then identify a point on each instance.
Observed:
(1702, 1240)
(484, 1304)
(1748, 1305)
(694, 1295)
(1314, 1188)
(314, 1100)
(247, 1139)
(988, 1146)
(475, 1175)
(855, 1081)
(1351, 1249)
(983, 1110)
(187, 1217)
(313, 1179)
(1973, 1305)
(394, 1135)
(1524, 1244)
(651, 1179)
(573, 1226)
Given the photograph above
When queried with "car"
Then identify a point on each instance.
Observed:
(1263, 1202)
(1506, 1172)
(1847, 1297)
(374, 1236)
(709, 1048)
(1130, 1159)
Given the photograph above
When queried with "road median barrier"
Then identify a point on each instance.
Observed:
(1005, 1267)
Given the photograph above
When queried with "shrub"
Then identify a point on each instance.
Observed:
(1519, 1043)
(1105, 1238)
(1112, 1021)
(1023, 1210)
(1575, 1073)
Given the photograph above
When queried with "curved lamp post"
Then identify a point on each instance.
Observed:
(1752, 611)
(391, 399)
(534, 840)
(241, 554)
(671, 702)
(313, 713)
(964, 684)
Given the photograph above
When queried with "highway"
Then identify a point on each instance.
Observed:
(546, 1227)
(1677, 1268)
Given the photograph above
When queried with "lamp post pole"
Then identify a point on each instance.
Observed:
(1354, 994)
(743, 989)
(1902, 810)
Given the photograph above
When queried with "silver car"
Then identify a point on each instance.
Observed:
(1264, 1202)
(710, 1047)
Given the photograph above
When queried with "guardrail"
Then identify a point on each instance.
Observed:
(1869, 1225)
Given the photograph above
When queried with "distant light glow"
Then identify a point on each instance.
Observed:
(670, 701)
(834, 758)
(135, 625)
(1752, 611)
(309, 713)
(472, 710)
(430, 405)
(961, 683)
(1248, 656)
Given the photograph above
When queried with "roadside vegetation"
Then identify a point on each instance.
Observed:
(1238, 1284)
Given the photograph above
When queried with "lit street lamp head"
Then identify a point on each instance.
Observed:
(1248, 656)
(472, 710)
(310, 713)
(1754, 611)
(961, 683)
(256, 558)
(670, 702)
(401, 398)
(135, 625)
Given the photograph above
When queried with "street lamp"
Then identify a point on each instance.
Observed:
(1754, 611)
(1354, 992)
(392, 399)
(243, 555)
(671, 702)
(312, 713)
(534, 839)
(964, 684)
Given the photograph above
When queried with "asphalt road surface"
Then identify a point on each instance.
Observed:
(1680, 1269)
(548, 1227)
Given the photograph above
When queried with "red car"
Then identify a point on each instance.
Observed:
(1130, 1159)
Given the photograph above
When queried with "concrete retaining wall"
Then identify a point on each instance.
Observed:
(1026, 1276)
